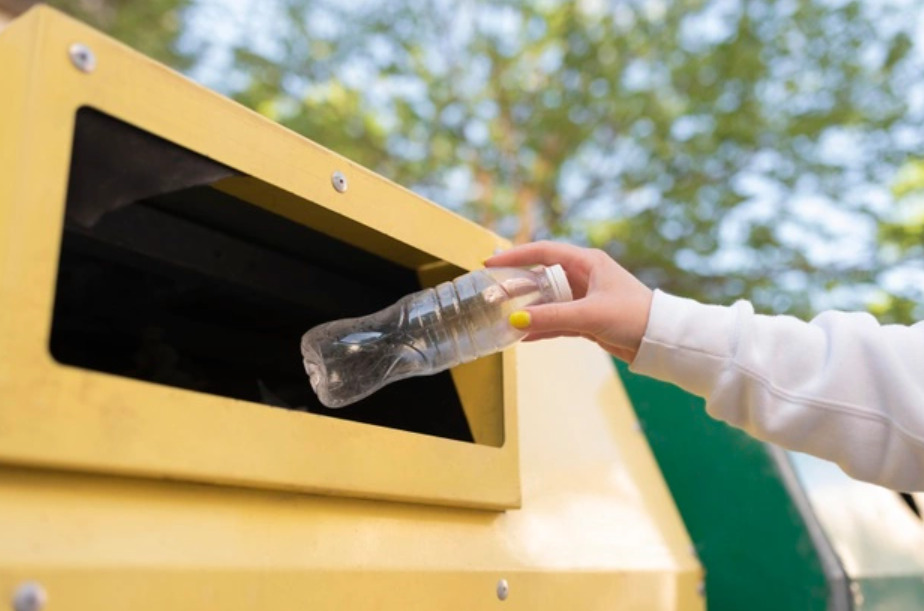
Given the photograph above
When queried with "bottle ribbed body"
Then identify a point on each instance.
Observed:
(423, 333)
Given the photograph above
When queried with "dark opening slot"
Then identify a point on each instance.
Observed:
(180, 284)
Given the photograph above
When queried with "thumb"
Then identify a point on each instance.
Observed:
(548, 318)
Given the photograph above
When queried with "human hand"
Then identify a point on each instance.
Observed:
(610, 305)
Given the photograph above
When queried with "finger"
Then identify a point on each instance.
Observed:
(553, 317)
(541, 253)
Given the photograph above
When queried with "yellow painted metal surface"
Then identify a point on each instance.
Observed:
(597, 529)
(116, 493)
(72, 418)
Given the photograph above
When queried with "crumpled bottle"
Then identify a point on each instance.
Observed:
(425, 332)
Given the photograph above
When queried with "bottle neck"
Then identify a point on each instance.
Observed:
(554, 284)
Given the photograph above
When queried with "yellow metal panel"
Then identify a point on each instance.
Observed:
(333, 223)
(16, 51)
(597, 529)
(480, 385)
(67, 417)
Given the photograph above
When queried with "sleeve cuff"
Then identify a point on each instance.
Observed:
(687, 343)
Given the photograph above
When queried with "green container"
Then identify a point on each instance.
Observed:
(750, 534)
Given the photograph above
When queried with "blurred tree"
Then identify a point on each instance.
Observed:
(901, 236)
(152, 27)
(718, 148)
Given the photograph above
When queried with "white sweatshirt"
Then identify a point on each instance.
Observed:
(841, 387)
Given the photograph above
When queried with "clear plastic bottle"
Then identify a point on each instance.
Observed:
(425, 332)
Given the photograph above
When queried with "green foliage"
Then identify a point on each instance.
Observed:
(684, 138)
(896, 309)
(717, 149)
(901, 238)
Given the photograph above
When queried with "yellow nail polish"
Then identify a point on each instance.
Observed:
(520, 319)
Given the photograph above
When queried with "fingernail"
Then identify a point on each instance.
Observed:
(520, 319)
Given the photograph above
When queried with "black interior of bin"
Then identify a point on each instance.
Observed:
(165, 279)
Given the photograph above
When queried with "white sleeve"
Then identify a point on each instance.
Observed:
(841, 387)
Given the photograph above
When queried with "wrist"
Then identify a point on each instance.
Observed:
(641, 318)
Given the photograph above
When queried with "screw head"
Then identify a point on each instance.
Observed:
(82, 57)
(29, 596)
(339, 181)
(701, 588)
(503, 589)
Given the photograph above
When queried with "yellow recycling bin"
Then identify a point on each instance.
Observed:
(161, 251)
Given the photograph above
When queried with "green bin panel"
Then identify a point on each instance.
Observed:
(750, 537)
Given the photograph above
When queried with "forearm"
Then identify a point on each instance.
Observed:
(841, 387)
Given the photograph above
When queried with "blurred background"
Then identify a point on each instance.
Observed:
(770, 150)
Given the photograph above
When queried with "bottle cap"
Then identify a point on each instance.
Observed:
(559, 282)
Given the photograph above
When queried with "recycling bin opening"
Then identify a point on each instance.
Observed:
(166, 279)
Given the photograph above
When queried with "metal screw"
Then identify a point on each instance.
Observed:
(29, 596)
(339, 181)
(701, 588)
(502, 589)
(82, 57)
